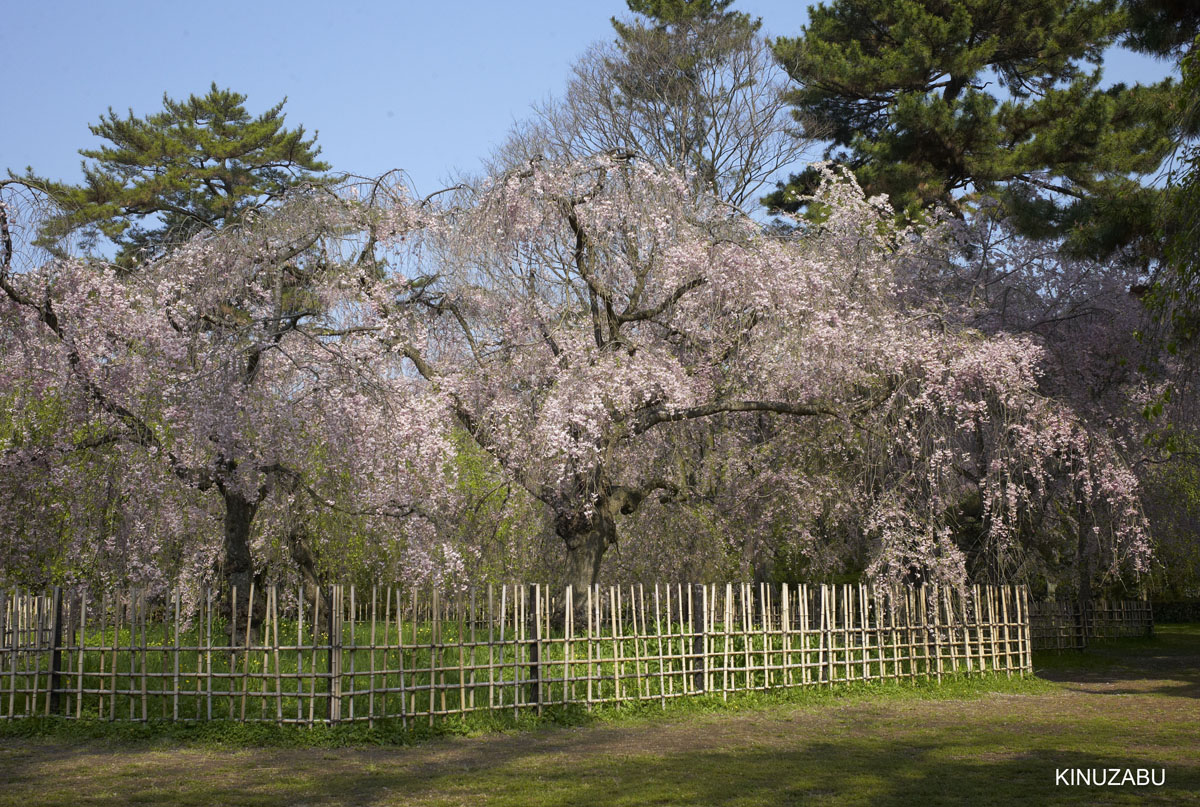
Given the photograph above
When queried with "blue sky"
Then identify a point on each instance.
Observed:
(427, 87)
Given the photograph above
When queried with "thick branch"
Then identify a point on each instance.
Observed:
(647, 419)
(650, 313)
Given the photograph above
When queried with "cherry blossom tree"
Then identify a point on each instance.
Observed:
(234, 376)
(579, 315)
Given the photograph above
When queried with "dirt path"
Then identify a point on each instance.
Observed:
(1128, 709)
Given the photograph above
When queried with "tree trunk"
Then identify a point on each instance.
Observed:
(303, 557)
(239, 565)
(586, 540)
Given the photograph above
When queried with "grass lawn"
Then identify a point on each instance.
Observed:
(1131, 704)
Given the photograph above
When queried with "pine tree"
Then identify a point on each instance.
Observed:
(936, 101)
(196, 165)
(1163, 28)
(1170, 30)
(1177, 290)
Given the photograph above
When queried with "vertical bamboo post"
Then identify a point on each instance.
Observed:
(993, 618)
(568, 651)
(300, 605)
(352, 650)
(275, 654)
(232, 630)
(977, 602)
(53, 702)
(658, 634)
(910, 647)
(937, 630)
(822, 618)
(534, 627)
(371, 663)
(764, 612)
(852, 610)
(437, 678)
(920, 628)
(503, 644)
(1026, 627)
(864, 643)
(246, 650)
(462, 685)
(335, 655)
(5, 627)
(696, 595)
(893, 630)
(82, 647)
(671, 642)
(175, 665)
(33, 665)
(312, 661)
(518, 641)
(1007, 636)
(118, 617)
(880, 603)
(473, 661)
(15, 620)
(204, 628)
(840, 612)
(29, 635)
(614, 608)
(829, 611)
(744, 609)
(400, 658)
(102, 646)
(951, 628)
(802, 595)
(986, 646)
(846, 612)
(847, 629)
(387, 651)
(636, 610)
(142, 667)
(966, 629)
(726, 640)
(746, 606)
(591, 647)
(266, 655)
(491, 648)
(785, 604)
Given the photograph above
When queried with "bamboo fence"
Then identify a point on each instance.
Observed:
(418, 657)
(1058, 625)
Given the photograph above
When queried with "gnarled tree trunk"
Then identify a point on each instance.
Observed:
(239, 565)
(586, 540)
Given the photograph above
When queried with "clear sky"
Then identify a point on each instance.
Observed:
(429, 87)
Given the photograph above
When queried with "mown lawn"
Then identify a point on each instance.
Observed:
(1133, 704)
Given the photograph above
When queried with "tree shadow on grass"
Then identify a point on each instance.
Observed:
(845, 772)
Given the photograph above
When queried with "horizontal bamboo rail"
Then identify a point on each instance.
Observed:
(418, 657)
